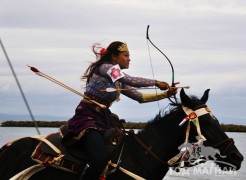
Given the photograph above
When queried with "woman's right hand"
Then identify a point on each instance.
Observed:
(162, 85)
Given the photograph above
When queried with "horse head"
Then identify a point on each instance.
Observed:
(214, 136)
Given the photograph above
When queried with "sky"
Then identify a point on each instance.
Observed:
(205, 41)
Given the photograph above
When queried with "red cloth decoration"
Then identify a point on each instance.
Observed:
(103, 51)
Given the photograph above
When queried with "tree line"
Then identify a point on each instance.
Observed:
(127, 125)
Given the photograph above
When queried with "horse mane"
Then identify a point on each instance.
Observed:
(166, 117)
(163, 119)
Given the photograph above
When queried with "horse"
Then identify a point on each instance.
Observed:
(145, 153)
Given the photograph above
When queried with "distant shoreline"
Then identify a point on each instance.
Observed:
(127, 125)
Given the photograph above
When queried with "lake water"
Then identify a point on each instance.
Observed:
(202, 172)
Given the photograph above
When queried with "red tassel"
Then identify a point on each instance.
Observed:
(184, 120)
(103, 52)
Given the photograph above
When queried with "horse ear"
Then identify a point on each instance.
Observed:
(184, 98)
(205, 96)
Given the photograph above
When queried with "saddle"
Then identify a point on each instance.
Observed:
(70, 158)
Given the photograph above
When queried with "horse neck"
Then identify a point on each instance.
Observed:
(162, 136)
(164, 133)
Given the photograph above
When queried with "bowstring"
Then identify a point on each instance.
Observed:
(152, 70)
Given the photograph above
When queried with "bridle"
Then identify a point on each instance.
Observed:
(192, 116)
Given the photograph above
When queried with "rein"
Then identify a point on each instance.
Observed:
(147, 149)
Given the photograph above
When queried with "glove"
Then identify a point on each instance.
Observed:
(162, 85)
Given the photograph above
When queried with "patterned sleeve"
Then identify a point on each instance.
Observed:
(133, 94)
(137, 81)
(127, 79)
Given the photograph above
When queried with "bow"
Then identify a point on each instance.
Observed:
(173, 84)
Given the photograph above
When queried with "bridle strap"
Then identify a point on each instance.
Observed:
(196, 113)
(187, 133)
(221, 143)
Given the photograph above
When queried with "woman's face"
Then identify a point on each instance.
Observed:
(123, 59)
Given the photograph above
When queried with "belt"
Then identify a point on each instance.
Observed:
(98, 99)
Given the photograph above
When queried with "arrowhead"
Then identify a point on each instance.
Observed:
(33, 69)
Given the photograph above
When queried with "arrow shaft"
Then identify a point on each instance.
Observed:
(113, 89)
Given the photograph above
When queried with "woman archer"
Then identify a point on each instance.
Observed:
(90, 121)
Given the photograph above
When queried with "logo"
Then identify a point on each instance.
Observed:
(197, 157)
(198, 151)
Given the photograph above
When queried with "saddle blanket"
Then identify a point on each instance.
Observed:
(44, 154)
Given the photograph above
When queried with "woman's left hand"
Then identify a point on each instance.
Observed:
(162, 85)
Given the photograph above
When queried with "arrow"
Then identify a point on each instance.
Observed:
(65, 86)
(114, 89)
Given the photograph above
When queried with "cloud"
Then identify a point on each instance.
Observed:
(205, 40)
